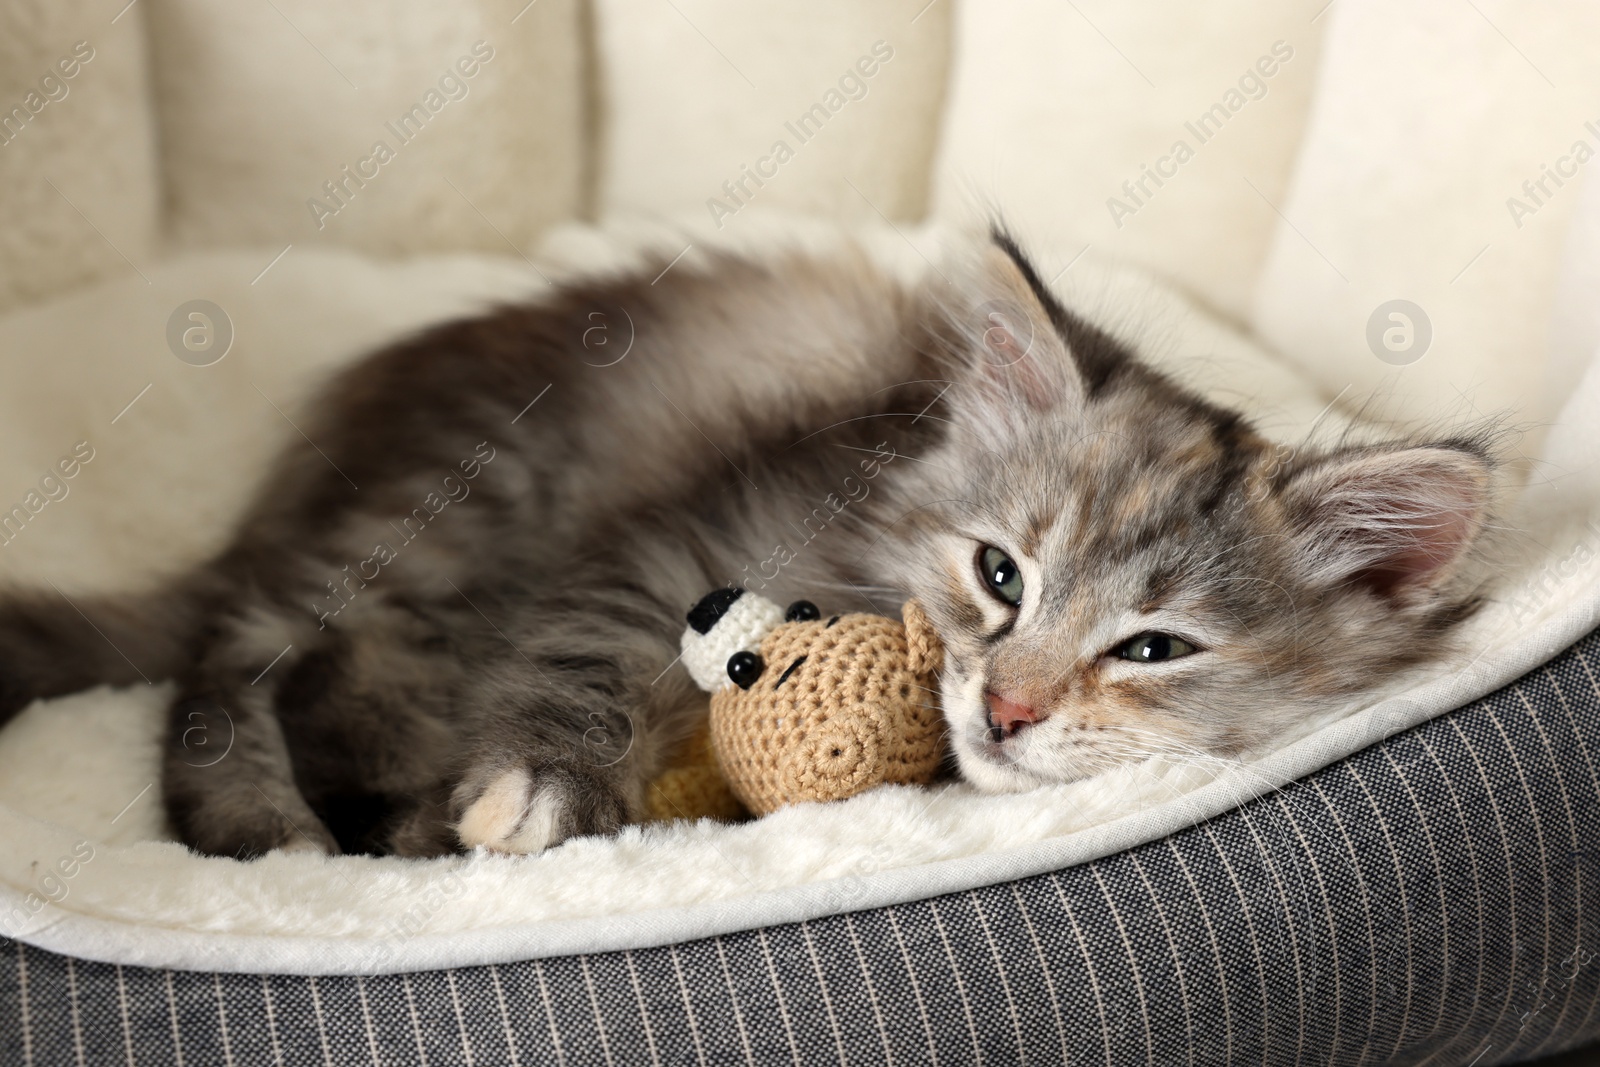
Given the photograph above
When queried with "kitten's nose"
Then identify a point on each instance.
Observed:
(1006, 717)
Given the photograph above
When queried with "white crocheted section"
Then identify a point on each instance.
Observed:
(748, 620)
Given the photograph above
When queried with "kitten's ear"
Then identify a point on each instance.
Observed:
(1396, 522)
(1017, 361)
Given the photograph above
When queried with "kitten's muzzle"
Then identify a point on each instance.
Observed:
(1007, 717)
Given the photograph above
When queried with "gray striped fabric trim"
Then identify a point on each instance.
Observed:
(1429, 900)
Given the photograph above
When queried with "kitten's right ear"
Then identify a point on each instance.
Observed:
(1396, 522)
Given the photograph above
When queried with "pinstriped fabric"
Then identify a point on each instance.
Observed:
(1432, 900)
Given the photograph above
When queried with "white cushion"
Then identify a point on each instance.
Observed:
(89, 134)
(1429, 119)
(1053, 106)
(695, 90)
(261, 104)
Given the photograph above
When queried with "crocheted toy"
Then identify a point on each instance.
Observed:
(693, 787)
(805, 708)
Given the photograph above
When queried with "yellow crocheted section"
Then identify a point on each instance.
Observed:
(694, 787)
(838, 709)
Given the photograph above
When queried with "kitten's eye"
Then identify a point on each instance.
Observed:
(1153, 648)
(1000, 574)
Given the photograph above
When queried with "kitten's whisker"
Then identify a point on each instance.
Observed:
(1240, 766)
(1104, 763)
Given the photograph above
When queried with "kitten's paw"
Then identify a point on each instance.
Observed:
(513, 815)
(301, 844)
(530, 809)
(308, 834)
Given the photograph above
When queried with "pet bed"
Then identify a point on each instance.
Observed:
(1411, 883)
(1003, 922)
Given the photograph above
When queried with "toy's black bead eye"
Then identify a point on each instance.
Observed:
(801, 611)
(744, 668)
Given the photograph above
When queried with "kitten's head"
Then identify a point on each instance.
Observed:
(1119, 568)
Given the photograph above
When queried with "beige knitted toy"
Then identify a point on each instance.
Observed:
(693, 787)
(806, 708)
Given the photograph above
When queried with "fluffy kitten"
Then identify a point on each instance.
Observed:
(453, 623)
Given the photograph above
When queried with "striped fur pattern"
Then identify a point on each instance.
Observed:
(454, 624)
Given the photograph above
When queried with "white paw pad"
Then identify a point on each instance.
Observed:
(513, 816)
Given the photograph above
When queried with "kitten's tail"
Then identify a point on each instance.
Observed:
(52, 644)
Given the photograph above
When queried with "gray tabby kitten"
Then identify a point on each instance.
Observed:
(476, 646)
